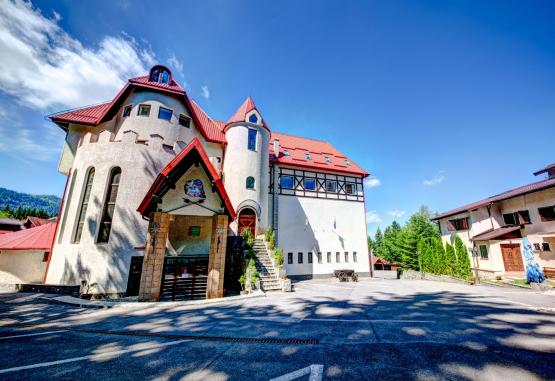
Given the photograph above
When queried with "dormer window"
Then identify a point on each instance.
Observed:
(347, 163)
(307, 156)
(253, 119)
(286, 152)
(327, 159)
(160, 74)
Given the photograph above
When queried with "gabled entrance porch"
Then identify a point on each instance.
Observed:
(189, 213)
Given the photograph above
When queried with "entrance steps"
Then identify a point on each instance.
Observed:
(269, 280)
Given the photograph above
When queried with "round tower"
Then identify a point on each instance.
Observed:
(246, 168)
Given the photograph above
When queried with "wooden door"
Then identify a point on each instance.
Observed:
(247, 220)
(512, 257)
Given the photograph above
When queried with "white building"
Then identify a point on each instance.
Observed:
(152, 154)
(494, 227)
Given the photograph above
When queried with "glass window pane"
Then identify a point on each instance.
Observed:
(144, 110)
(331, 186)
(253, 119)
(310, 184)
(185, 121)
(286, 182)
(252, 139)
(165, 113)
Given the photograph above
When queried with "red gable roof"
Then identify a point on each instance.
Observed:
(173, 171)
(298, 147)
(528, 188)
(38, 238)
(241, 113)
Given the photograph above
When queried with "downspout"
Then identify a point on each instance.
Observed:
(56, 230)
(368, 250)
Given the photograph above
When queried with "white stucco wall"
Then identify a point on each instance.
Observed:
(21, 266)
(240, 162)
(117, 143)
(307, 224)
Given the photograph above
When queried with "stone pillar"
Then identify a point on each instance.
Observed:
(153, 260)
(216, 260)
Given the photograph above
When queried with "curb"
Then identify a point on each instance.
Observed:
(70, 300)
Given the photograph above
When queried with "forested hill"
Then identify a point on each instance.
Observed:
(12, 200)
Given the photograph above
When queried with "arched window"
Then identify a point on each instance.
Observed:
(160, 74)
(109, 205)
(83, 205)
(250, 182)
(67, 201)
(253, 119)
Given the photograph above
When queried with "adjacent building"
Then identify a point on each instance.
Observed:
(154, 182)
(493, 228)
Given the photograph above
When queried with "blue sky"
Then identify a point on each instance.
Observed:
(444, 102)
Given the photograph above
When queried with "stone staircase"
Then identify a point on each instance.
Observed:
(269, 280)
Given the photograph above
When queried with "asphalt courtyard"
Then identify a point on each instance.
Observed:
(375, 329)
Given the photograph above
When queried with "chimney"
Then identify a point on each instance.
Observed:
(276, 148)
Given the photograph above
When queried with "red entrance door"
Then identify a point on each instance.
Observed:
(247, 220)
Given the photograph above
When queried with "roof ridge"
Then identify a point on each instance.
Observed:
(80, 108)
(302, 137)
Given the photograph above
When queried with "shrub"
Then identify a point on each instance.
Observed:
(242, 281)
(272, 241)
(463, 262)
(268, 234)
(248, 237)
(278, 255)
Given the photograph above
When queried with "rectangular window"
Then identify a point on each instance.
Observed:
(252, 140)
(331, 186)
(338, 257)
(354, 256)
(457, 224)
(290, 258)
(194, 231)
(309, 183)
(329, 256)
(300, 257)
(547, 213)
(346, 256)
(537, 247)
(545, 246)
(307, 156)
(184, 121)
(286, 182)
(484, 252)
(45, 256)
(350, 188)
(517, 218)
(143, 110)
(327, 158)
(165, 113)
(309, 257)
(127, 110)
(319, 257)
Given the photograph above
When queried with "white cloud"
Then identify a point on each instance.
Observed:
(437, 179)
(176, 65)
(205, 92)
(21, 142)
(372, 217)
(396, 213)
(372, 182)
(43, 67)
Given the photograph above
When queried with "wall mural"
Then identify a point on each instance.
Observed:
(195, 189)
(534, 272)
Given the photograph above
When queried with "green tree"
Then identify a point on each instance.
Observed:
(450, 260)
(419, 226)
(378, 247)
(463, 262)
(391, 242)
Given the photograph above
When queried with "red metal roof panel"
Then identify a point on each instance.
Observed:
(38, 238)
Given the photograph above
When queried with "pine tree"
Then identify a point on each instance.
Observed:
(378, 246)
(463, 262)
(391, 242)
(439, 256)
(419, 226)
(450, 260)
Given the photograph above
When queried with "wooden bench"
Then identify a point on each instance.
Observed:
(549, 272)
(344, 275)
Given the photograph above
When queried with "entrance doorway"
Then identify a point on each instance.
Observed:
(247, 221)
(512, 258)
(184, 278)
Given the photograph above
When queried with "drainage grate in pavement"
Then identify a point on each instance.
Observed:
(263, 340)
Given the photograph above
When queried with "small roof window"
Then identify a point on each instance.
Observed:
(160, 74)
(286, 152)
(347, 163)
(253, 119)
(307, 156)
(327, 159)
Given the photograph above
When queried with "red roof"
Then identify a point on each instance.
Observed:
(38, 238)
(36, 221)
(213, 130)
(529, 188)
(298, 147)
(547, 168)
(241, 113)
(166, 179)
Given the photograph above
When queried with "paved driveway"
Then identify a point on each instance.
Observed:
(374, 329)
